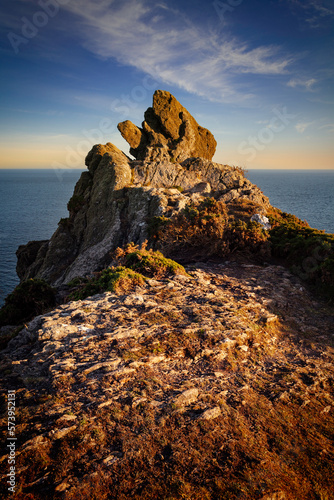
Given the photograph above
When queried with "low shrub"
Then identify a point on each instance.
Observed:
(309, 252)
(29, 299)
(243, 209)
(150, 263)
(210, 228)
(113, 279)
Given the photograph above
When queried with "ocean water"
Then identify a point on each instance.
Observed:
(33, 201)
(308, 194)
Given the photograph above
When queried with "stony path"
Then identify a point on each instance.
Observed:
(199, 346)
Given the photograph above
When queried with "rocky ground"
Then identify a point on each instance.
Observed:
(215, 385)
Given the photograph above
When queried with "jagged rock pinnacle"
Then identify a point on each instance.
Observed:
(169, 130)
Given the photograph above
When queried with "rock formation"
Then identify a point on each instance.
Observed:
(116, 198)
(168, 132)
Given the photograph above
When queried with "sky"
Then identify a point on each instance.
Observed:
(258, 74)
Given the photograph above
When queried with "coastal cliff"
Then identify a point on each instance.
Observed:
(137, 376)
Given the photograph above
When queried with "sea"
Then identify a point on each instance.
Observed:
(32, 201)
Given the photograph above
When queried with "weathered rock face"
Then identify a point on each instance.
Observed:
(169, 131)
(115, 199)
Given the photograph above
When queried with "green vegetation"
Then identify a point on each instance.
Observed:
(211, 228)
(134, 264)
(114, 279)
(309, 252)
(29, 299)
(150, 263)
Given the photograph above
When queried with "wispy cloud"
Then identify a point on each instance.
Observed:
(307, 84)
(329, 128)
(302, 126)
(313, 13)
(166, 44)
(319, 124)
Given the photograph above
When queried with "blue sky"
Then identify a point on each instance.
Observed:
(258, 74)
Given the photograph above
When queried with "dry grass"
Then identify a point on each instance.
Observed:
(261, 443)
(211, 228)
(255, 447)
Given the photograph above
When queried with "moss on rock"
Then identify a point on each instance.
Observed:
(150, 263)
(113, 279)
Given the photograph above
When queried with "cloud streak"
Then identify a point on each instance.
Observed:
(302, 126)
(166, 44)
(307, 84)
(313, 13)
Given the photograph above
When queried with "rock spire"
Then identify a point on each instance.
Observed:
(168, 132)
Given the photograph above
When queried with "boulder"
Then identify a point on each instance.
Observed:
(27, 256)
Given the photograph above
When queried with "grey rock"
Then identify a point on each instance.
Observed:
(114, 200)
(211, 413)
(261, 219)
(187, 397)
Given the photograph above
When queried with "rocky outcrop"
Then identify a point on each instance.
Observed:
(115, 199)
(228, 366)
(169, 131)
(213, 383)
(28, 255)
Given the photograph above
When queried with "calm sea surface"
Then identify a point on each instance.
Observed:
(33, 201)
(309, 194)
